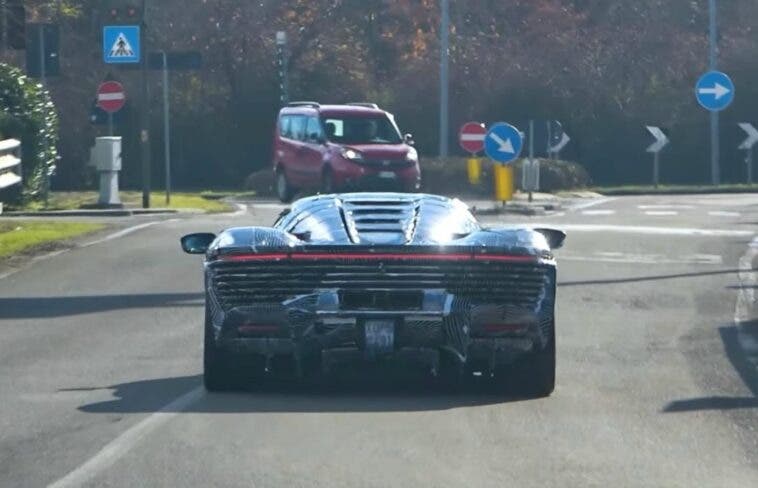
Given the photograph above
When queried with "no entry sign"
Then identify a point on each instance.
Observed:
(111, 96)
(471, 137)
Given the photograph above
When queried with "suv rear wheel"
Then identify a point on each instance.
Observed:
(283, 188)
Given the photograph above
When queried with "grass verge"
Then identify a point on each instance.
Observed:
(19, 236)
(209, 202)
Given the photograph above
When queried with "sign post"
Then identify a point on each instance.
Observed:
(557, 139)
(661, 141)
(715, 92)
(166, 128)
(471, 139)
(123, 44)
(747, 145)
(503, 144)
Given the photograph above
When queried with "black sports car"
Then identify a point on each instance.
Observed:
(379, 278)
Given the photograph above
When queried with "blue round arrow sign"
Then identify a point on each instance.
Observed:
(715, 91)
(503, 143)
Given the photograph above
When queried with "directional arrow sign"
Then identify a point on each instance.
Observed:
(752, 136)
(503, 143)
(715, 91)
(719, 91)
(661, 140)
(565, 139)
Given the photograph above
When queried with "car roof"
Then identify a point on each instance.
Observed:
(333, 110)
(375, 198)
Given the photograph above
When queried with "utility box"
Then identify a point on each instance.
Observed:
(105, 156)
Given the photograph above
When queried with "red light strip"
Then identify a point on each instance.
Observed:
(254, 257)
(379, 257)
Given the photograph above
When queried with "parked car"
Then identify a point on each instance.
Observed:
(330, 148)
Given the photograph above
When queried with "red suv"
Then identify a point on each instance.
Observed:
(335, 147)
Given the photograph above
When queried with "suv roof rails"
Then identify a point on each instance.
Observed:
(304, 104)
(364, 104)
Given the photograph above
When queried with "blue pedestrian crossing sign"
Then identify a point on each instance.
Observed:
(715, 91)
(121, 44)
(503, 143)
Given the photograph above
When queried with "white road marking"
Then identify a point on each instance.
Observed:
(647, 230)
(124, 232)
(33, 260)
(661, 213)
(665, 207)
(598, 212)
(241, 210)
(122, 444)
(618, 257)
(724, 214)
(274, 206)
(107, 238)
(592, 203)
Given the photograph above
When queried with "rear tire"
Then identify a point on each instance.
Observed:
(284, 190)
(218, 368)
(533, 375)
(542, 366)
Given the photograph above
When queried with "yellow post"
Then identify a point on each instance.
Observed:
(503, 183)
(474, 170)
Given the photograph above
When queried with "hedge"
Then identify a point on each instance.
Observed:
(449, 176)
(27, 113)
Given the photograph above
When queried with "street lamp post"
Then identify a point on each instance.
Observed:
(145, 115)
(715, 142)
(444, 78)
(281, 55)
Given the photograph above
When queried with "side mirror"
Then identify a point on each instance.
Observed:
(408, 139)
(197, 243)
(555, 238)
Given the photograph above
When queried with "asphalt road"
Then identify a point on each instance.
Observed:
(100, 363)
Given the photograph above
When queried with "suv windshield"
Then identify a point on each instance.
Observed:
(361, 130)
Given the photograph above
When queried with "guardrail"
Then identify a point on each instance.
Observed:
(10, 164)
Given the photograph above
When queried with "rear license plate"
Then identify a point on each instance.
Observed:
(380, 336)
(386, 174)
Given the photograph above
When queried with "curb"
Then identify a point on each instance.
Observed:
(519, 209)
(93, 213)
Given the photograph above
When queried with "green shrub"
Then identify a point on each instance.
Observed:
(27, 113)
(449, 176)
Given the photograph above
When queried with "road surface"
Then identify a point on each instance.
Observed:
(100, 363)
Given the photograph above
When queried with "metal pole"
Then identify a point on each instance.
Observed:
(281, 54)
(4, 26)
(145, 115)
(749, 162)
(166, 128)
(549, 140)
(531, 178)
(715, 139)
(110, 124)
(43, 81)
(445, 78)
(656, 169)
